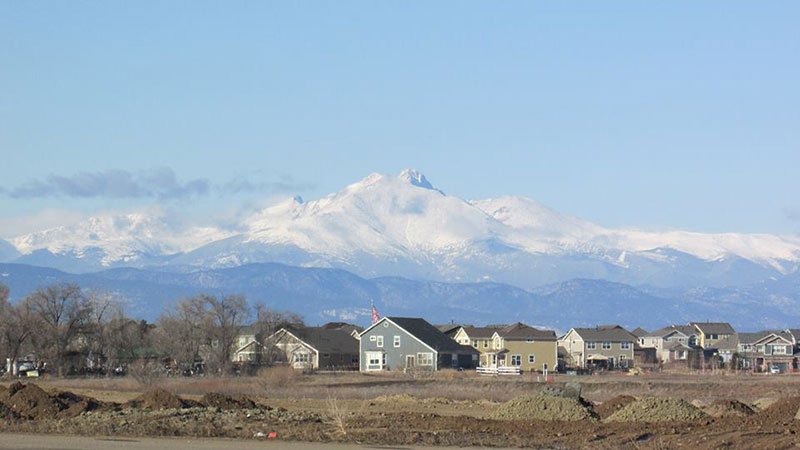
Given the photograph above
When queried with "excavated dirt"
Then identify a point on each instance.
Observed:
(33, 403)
(542, 407)
(726, 408)
(159, 399)
(227, 402)
(783, 410)
(609, 407)
(654, 409)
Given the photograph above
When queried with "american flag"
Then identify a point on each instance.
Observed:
(375, 316)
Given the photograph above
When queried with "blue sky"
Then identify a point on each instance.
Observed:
(659, 115)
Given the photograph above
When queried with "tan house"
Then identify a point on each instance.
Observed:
(672, 343)
(523, 346)
(480, 338)
(604, 347)
(713, 335)
(314, 348)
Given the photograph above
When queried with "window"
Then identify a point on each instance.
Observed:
(397, 341)
(302, 357)
(591, 345)
(606, 345)
(625, 345)
(713, 336)
(379, 341)
(385, 324)
(529, 340)
(475, 343)
(425, 359)
(375, 360)
(516, 360)
(485, 343)
(372, 338)
(622, 357)
(531, 359)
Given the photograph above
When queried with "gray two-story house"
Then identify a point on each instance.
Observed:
(403, 343)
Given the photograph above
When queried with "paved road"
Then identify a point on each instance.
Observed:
(55, 442)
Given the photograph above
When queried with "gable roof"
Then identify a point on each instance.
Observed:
(613, 333)
(675, 345)
(430, 335)
(688, 330)
(714, 327)
(326, 341)
(518, 331)
(752, 338)
(481, 332)
(639, 332)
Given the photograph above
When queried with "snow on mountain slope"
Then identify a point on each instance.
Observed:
(381, 215)
(117, 239)
(403, 225)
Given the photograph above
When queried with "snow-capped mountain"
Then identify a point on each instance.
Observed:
(402, 225)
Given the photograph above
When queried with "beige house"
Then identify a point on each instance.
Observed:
(671, 343)
(605, 347)
(712, 335)
(480, 338)
(315, 348)
(526, 347)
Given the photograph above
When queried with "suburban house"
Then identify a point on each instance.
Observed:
(404, 343)
(713, 334)
(768, 350)
(314, 348)
(522, 346)
(639, 332)
(248, 348)
(480, 338)
(450, 329)
(672, 343)
(605, 346)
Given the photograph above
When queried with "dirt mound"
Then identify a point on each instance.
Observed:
(159, 399)
(654, 409)
(784, 410)
(226, 402)
(395, 398)
(31, 402)
(542, 407)
(727, 408)
(609, 407)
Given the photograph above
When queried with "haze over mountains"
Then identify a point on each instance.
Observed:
(415, 250)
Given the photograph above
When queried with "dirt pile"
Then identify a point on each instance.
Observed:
(395, 398)
(609, 407)
(542, 407)
(159, 399)
(728, 408)
(654, 409)
(33, 403)
(783, 410)
(227, 402)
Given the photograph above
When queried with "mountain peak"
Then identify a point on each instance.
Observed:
(416, 178)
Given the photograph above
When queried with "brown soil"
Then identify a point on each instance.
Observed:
(227, 402)
(609, 407)
(542, 407)
(33, 403)
(783, 410)
(726, 407)
(159, 399)
(654, 409)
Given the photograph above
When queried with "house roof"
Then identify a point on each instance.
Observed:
(430, 335)
(518, 331)
(481, 332)
(795, 332)
(342, 326)
(752, 338)
(613, 333)
(676, 345)
(639, 332)
(449, 328)
(688, 330)
(327, 341)
(714, 327)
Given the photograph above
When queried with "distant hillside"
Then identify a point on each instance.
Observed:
(328, 294)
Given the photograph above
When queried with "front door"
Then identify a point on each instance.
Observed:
(410, 361)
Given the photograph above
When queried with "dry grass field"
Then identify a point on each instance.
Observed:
(449, 408)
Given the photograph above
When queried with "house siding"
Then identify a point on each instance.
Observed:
(544, 352)
(395, 356)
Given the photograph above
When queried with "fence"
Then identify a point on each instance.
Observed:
(495, 371)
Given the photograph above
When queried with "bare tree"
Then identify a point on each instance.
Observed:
(181, 331)
(269, 321)
(227, 316)
(64, 314)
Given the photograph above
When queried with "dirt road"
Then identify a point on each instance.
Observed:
(54, 442)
